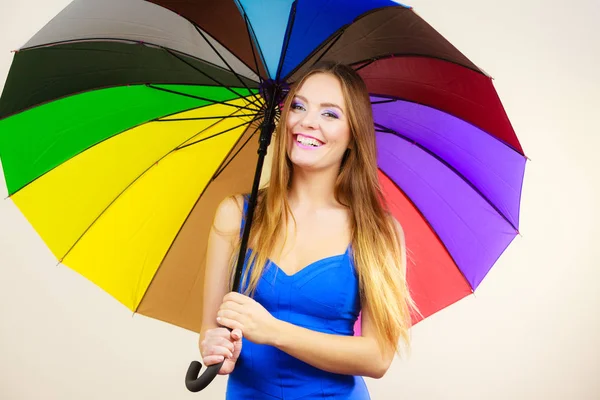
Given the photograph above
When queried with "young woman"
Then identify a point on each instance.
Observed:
(323, 247)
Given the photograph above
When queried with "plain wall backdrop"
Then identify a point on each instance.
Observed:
(531, 331)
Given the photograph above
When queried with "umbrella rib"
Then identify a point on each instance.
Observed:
(183, 146)
(201, 98)
(136, 179)
(203, 73)
(50, 45)
(331, 44)
(383, 101)
(222, 59)
(286, 39)
(201, 118)
(252, 34)
(428, 224)
(366, 63)
(384, 129)
(163, 118)
(219, 170)
(252, 47)
(396, 98)
(369, 61)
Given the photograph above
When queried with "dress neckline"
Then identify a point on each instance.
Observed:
(309, 266)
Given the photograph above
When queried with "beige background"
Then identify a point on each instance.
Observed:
(530, 332)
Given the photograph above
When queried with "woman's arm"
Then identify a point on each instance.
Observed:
(221, 239)
(340, 354)
(351, 355)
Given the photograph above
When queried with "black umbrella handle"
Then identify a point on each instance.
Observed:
(195, 383)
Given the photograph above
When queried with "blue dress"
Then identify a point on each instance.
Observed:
(322, 297)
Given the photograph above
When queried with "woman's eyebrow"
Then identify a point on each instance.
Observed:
(322, 104)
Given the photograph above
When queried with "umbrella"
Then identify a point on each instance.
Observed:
(123, 123)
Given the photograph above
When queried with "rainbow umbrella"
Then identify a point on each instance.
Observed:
(123, 124)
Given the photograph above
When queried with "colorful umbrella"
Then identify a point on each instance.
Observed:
(123, 124)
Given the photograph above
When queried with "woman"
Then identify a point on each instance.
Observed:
(322, 248)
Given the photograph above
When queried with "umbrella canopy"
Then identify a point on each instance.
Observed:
(124, 123)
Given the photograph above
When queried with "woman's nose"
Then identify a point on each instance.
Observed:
(309, 121)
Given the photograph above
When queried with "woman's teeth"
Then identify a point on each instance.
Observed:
(307, 141)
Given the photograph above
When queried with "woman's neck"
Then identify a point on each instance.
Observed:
(312, 189)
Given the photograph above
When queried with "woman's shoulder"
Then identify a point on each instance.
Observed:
(229, 213)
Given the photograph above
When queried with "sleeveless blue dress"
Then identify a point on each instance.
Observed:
(322, 297)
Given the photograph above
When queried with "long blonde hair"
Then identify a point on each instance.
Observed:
(379, 254)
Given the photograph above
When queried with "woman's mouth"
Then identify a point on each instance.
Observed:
(306, 142)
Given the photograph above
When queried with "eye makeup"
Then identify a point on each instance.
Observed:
(296, 104)
(331, 114)
(298, 99)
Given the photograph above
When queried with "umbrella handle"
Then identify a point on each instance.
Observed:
(275, 96)
(195, 383)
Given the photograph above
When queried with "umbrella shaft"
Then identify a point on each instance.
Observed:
(268, 126)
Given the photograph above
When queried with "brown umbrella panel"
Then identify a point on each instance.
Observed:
(176, 292)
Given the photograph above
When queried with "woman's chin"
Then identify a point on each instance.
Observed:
(304, 164)
(309, 161)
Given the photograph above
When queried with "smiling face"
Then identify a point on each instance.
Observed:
(318, 124)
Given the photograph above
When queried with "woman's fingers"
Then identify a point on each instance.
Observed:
(226, 368)
(236, 334)
(217, 336)
(218, 332)
(216, 356)
(220, 346)
(216, 344)
(225, 315)
(224, 342)
(210, 360)
(224, 349)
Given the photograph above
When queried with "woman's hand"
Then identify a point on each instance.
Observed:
(244, 313)
(219, 344)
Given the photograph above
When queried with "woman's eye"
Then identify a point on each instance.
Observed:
(329, 114)
(297, 106)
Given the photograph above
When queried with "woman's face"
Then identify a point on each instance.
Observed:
(318, 124)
